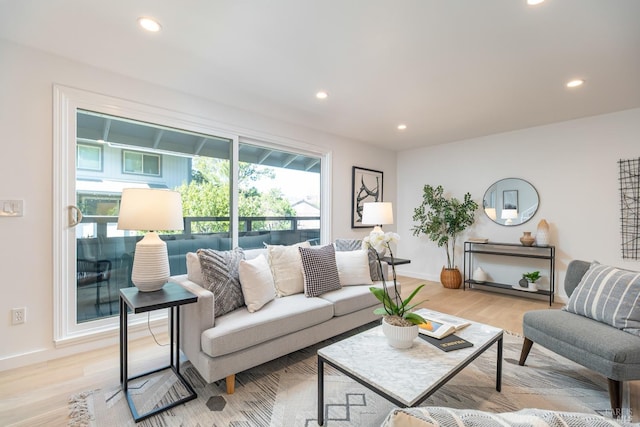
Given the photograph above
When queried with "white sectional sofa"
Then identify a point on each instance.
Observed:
(219, 347)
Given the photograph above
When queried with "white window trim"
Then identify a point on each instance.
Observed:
(66, 102)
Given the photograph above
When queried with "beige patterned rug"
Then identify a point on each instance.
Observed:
(283, 393)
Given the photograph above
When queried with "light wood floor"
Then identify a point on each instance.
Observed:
(37, 395)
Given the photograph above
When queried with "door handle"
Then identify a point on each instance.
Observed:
(75, 216)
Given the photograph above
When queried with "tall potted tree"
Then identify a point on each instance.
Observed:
(442, 219)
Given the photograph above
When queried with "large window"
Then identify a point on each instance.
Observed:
(236, 191)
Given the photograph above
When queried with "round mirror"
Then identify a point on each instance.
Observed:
(510, 201)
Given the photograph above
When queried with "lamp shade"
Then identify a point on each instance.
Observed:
(150, 209)
(377, 213)
(509, 214)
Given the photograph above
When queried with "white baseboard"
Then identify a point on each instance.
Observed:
(88, 343)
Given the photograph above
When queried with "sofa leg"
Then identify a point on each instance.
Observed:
(526, 348)
(615, 396)
(231, 383)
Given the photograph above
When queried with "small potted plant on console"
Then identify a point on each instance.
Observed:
(529, 280)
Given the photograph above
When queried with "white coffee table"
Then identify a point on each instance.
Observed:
(405, 377)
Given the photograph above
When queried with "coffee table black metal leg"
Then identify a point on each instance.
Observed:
(499, 367)
(320, 391)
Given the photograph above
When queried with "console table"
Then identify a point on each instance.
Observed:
(171, 296)
(547, 253)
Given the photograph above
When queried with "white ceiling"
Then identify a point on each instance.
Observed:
(449, 69)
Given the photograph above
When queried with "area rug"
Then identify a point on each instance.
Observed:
(283, 393)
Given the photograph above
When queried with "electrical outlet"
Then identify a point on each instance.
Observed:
(18, 315)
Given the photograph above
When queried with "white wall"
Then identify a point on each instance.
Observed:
(26, 115)
(573, 165)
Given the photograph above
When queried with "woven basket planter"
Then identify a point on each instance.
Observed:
(450, 278)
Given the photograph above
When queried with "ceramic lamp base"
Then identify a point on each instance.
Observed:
(150, 264)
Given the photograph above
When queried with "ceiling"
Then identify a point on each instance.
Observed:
(448, 69)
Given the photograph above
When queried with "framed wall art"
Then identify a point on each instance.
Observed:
(510, 199)
(366, 186)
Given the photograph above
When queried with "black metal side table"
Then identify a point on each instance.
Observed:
(171, 296)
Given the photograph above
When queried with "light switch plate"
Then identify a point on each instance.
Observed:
(11, 207)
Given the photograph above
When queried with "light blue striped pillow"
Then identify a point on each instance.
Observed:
(609, 295)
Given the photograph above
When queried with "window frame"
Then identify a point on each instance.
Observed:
(67, 101)
(144, 155)
(94, 147)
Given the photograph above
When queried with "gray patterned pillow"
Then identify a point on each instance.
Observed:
(356, 245)
(608, 295)
(220, 270)
(320, 270)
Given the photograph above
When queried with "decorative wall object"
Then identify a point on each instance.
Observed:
(510, 201)
(366, 186)
(630, 207)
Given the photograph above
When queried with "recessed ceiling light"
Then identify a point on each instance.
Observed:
(149, 24)
(402, 126)
(322, 95)
(534, 2)
(575, 83)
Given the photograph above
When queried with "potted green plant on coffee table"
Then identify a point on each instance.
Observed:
(399, 323)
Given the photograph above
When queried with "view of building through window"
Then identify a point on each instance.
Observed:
(278, 194)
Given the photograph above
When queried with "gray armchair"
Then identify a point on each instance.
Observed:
(595, 345)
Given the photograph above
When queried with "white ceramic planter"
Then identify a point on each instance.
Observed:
(399, 336)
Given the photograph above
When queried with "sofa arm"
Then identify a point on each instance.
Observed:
(194, 318)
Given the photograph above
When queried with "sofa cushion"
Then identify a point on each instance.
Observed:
(350, 299)
(353, 268)
(256, 282)
(609, 295)
(616, 355)
(220, 272)
(356, 245)
(286, 267)
(282, 316)
(319, 270)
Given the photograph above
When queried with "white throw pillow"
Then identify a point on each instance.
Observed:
(194, 272)
(257, 283)
(286, 267)
(353, 268)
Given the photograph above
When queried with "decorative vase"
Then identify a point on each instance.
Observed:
(479, 275)
(527, 239)
(450, 278)
(542, 233)
(399, 336)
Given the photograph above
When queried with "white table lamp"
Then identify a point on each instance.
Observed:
(509, 215)
(151, 210)
(377, 214)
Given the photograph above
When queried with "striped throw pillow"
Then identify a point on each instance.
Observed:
(609, 295)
